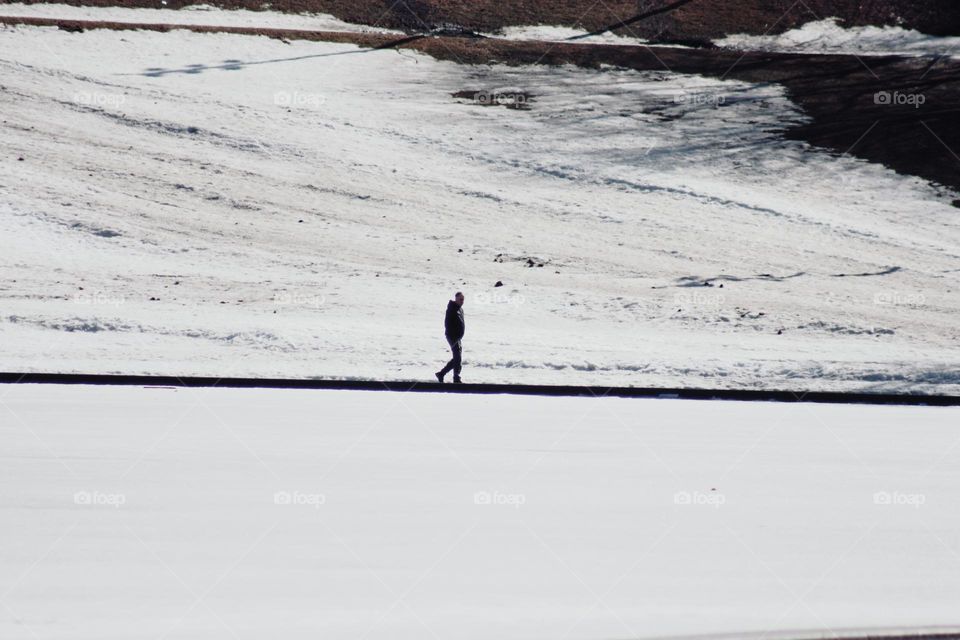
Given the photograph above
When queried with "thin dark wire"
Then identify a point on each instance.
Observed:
(637, 18)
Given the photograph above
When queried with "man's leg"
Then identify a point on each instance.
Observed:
(454, 363)
(457, 349)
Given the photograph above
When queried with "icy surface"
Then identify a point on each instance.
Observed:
(234, 205)
(826, 36)
(149, 513)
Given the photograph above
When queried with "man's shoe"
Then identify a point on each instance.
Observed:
(457, 381)
(439, 377)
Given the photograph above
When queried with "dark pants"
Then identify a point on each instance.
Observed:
(454, 363)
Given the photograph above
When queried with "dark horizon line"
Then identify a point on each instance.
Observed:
(412, 386)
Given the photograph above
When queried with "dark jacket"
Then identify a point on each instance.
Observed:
(453, 324)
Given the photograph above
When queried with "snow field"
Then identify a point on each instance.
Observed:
(219, 513)
(305, 209)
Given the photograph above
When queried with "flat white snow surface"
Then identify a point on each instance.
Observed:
(827, 36)
(230, 205)
(193, 15)
(148, 513)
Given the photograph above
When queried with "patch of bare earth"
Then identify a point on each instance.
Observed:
(698, 19)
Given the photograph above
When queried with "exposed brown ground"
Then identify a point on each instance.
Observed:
(697, 20)
(838, 92)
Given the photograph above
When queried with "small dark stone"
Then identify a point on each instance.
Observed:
(20, 159)
(499, 284)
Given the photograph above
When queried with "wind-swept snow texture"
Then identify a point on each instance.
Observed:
(826, 36)
(219, 204)
(212, 513)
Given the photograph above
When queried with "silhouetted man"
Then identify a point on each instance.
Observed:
(454, 327)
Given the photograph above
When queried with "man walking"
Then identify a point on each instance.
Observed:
(453, 327)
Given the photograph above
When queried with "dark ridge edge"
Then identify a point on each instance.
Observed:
(412, 386)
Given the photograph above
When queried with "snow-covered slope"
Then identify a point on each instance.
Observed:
(826, 36)
(236, 205)
(193, 14)
(559, 34)
(136, 513)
